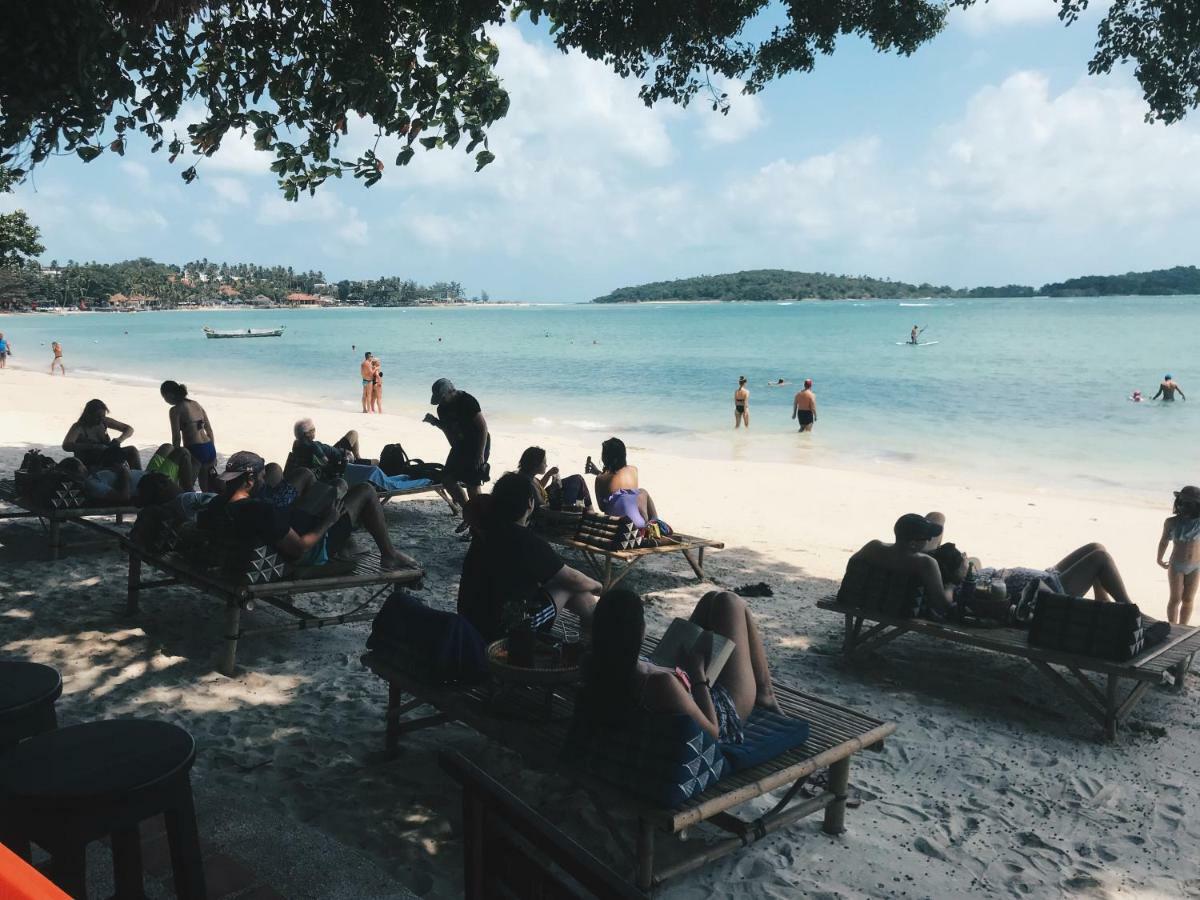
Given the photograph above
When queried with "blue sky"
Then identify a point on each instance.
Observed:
(988, 157)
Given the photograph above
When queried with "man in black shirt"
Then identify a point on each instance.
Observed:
(508, 566)
(461, 420)
(309, 531)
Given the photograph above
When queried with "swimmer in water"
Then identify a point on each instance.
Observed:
(1167, 390)
(779, 383)
(1136, 396)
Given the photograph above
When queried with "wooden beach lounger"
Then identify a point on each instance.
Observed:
(1165, 663)
(238, 595)
(610, 566)
(52, 520)
(440, 490)
(517, 718)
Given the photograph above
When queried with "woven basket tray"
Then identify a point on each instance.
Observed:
(498, 666)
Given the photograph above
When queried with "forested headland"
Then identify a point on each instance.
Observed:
(758, 285)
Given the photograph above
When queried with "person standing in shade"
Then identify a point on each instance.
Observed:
(804, 407)
(5, 350)
(367, 372)
(741, 404)
(461, 420)
(58, 359)
(1168, 389)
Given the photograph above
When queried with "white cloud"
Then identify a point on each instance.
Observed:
(745, 114)
(208, 230)
(136, 172)
(110, 217)
(231, 190)
(984, 17)
(326, 211)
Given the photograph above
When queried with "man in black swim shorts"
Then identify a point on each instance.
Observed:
(804, 407)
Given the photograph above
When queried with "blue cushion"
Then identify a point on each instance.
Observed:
(663, 759)
(767, 735)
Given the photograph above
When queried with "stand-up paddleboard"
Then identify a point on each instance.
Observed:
(920, 344)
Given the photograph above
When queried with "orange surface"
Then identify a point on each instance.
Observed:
(20, 881)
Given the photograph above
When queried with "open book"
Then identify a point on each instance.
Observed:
(683, 635)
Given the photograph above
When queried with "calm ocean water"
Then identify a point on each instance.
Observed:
(1029, 390)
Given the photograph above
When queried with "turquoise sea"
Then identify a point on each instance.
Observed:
(1024, 390)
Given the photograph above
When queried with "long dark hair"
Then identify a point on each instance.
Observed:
(530, 460)
(93, 413)
(610, 685)
(173, 391)
(612, 454)
(1186, 506)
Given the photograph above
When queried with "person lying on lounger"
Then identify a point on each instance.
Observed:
(916, 538)
(618, 681)
(617, 490)
(1087, 568)
(310, 530)
(508, 566)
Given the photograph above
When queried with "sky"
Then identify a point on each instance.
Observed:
(988, 157)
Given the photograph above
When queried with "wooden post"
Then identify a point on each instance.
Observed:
(135, 582)
(839, 783)
(645, 855)
(1110, 708)
(475, 880)
(55, 538)
(233, 621)
(391, 733)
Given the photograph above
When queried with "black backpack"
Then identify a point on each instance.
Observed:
(394, 461)
(34, 463)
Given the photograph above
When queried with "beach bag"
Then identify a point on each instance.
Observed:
(1097, 628)
(33, 464)
(394, 461)
(434, 645)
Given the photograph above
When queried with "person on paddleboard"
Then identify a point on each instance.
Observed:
(916, 333)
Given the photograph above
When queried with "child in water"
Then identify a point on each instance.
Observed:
(1183, 570)
(1136, 396)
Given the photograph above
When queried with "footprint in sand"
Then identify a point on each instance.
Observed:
(929, 848)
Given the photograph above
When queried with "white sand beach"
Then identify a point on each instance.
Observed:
(992, 785)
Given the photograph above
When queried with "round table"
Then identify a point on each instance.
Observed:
(28, 692)
(66, 788)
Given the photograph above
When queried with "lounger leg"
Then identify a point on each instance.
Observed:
(233, 622)
(135, 582)
(645, 855)
(55, 539)
(391, 732)
(1110, 708)
(848, 640)
(839, 784)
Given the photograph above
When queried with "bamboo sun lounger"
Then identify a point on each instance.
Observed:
(440, 490)
(1166, 663)
(52, 520)
(521, 719)
(243, 594)
(610, 566)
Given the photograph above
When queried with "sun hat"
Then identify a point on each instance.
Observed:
(442, 388)
(244, 462)
(915, 527)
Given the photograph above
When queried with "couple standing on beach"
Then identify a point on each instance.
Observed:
(804, 404)
(371, 370)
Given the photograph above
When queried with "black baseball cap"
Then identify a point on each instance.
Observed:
(244, 462)
(915, 527)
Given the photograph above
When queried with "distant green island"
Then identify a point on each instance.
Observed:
(759, 285)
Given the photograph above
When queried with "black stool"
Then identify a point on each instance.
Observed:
(67, 788)
(27, 695)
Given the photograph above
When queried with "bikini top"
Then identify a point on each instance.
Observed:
(1185, 531)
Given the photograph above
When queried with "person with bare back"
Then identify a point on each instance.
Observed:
(804, 407)
(741, 404)
(367, 372)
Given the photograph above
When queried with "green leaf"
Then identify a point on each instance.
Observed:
(483, 158)
(87, 153)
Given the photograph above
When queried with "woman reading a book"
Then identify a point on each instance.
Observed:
(619, 680)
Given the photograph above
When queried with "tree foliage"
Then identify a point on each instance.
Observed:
(1160, 282)
(89, 76)
(20, 239)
